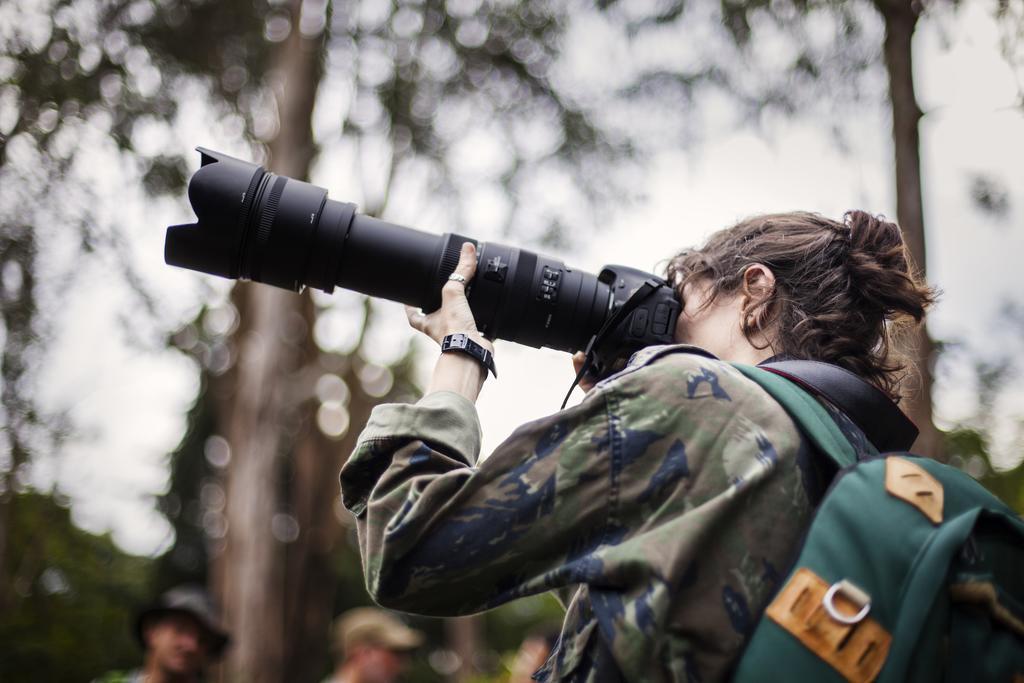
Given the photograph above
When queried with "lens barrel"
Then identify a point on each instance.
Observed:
(256, 225)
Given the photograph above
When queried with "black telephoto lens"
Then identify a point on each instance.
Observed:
(256, 225)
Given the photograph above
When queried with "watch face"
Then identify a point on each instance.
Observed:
(456, 341)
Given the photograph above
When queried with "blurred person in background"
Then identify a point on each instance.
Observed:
(180, 634)
(371, 646)
(533, 652)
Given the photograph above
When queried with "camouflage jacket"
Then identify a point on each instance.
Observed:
(673, 496)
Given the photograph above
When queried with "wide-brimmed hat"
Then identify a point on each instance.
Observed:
(190, 600)
(372, 626)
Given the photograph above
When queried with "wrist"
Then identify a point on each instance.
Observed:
(463, 343)
(458, 373)
(474, 334)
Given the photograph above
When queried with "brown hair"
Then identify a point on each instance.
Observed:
(842, 289)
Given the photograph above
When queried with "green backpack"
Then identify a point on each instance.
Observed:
(910, 571)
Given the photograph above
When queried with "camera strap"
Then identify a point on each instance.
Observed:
(649, 287)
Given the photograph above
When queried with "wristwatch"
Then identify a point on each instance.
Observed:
(463, 344)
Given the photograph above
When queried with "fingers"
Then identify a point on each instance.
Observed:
(465, 268)
(578, 359)
(467, 261)
(455, 314)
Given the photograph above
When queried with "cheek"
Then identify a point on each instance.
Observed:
(689, 322)
(695, 295)
(384, 660)
(681, 326)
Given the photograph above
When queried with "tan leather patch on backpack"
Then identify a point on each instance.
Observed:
(911, 483)
(832, 622)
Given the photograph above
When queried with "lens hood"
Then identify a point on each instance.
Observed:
(222, 193)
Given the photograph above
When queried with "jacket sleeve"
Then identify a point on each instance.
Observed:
(441, 535)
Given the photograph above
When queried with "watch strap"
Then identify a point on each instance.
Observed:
(462, 343)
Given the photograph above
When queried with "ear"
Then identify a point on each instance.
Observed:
(757, 314)
(758, 283)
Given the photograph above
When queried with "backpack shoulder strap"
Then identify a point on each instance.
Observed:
(810, 416)
(881, 420)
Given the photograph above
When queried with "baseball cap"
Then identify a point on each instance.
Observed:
(372, 626)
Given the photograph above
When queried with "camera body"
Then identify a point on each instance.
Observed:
(256, 225)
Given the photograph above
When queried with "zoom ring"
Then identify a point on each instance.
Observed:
(449, 259)
(270, 211)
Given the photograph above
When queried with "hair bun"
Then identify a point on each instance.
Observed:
(875, 235)
(880, 264)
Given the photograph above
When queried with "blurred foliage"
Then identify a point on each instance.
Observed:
(75, 79)
(782, 57)
(194, 486)
(75, 598)
(769, 59)
(989, 443)
(117, 66)
(1008, 485)
(970, 451)
(81, 80)
(1011, 41)
(990, 195)
(22, 421)
(425, 75)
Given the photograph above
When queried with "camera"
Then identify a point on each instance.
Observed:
(257, 225)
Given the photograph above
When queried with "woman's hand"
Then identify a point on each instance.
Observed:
(454, 315)
(454, 372)
(577, 362)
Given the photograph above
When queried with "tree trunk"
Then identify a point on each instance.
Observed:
(465, 639)
(900, 21)
(250, 575)
(272, 343)
(315, 493)
(310, 581)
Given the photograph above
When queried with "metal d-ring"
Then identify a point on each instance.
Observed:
(851, 593)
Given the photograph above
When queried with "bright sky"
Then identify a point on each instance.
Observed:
(131, 404)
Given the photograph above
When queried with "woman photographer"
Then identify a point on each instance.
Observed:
(669, 502)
